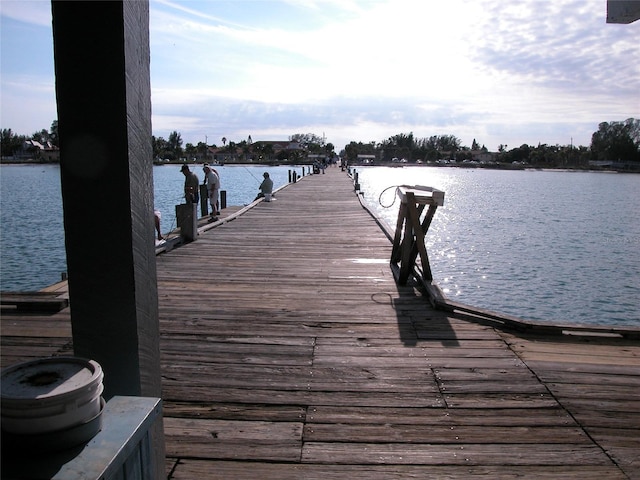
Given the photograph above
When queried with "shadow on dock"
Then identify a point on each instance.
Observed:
(288, 351)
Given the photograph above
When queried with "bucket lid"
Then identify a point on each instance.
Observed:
(47, 378)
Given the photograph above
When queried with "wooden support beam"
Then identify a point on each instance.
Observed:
(102, 59)
(405, 250)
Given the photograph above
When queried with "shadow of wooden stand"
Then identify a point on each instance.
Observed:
(408, 242)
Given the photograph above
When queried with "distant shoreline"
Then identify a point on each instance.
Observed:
(493, 166)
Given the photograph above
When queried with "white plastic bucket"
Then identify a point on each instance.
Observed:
(50, 394)
(267, 197)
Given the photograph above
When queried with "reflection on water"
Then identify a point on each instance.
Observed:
(548, 246)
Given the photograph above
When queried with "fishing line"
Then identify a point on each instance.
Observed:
(254, 177)
(174, 222)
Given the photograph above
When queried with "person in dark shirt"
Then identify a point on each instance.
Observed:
(191, 185)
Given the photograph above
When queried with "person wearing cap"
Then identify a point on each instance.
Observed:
(191, 184)
(266, 187)
(212, 181)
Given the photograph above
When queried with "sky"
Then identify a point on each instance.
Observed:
(500, 72)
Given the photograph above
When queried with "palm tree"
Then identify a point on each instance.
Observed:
(175, 144)
(224, 141)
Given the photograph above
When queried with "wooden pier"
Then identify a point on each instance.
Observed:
(289, 352)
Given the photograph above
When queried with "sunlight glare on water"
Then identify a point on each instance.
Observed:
(541, 245)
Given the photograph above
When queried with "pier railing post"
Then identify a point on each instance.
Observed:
(223, 199)
(187, 221)
(406, 248)
(204, 201)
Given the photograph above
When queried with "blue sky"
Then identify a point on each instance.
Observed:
(522, 71)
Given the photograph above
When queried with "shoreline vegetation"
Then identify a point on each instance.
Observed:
(604, 167)
(615, 146)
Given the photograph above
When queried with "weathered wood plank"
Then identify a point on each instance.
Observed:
(175, 392)
(288, 351)
(235, 411)
(448, 417)
(403, 433)
(200, 438)
(500, 400)
(421, 361)
(606, 418)
(467, 454)
(33, 301)
(316, 378)
(189, 469)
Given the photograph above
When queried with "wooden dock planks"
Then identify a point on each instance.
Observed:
(289, 341)
(288, 351)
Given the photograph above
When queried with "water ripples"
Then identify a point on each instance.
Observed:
(545, 246)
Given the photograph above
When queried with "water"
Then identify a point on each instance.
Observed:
(540, 245)
(547, 246)
(240, 182)
(32, 253)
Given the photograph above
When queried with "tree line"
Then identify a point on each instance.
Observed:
(173, 150)
(12, 143)
(617, 141)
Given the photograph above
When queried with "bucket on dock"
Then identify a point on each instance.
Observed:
(267, 197)
(52, 403)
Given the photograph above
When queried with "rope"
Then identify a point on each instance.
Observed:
(383, 192)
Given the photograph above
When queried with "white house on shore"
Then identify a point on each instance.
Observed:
(37, 151)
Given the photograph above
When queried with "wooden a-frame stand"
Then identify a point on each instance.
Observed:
(413, 201)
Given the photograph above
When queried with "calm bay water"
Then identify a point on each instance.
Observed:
(32, 254)
(240, 182)
(540, 245)
(548, 246)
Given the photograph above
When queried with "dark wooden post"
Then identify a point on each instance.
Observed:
(204, 201)
(103, 90)
(187, 220)
(405, 250)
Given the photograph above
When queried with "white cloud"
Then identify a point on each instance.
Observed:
(36, 12)
(500, 72)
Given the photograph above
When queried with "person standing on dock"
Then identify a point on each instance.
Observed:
(212, 181)
(157, 217)
(266, 188)
(191, 184)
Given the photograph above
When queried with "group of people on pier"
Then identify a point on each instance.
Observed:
(192, 188)
(212, 181)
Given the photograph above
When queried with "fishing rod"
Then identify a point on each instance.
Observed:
(250, 173)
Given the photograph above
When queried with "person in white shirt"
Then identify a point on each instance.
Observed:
(212, 180)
